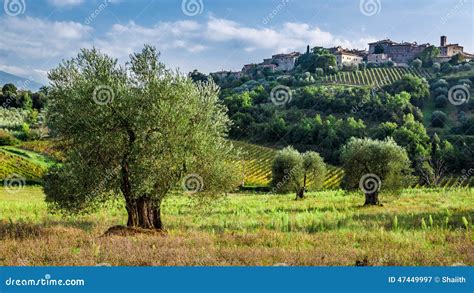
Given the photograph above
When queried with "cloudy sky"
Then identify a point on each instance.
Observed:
(211, 35)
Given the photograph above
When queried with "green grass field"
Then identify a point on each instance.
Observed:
(418, 227)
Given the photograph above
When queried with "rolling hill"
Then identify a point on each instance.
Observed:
(19, 82)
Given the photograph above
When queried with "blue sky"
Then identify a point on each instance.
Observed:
(212, 35)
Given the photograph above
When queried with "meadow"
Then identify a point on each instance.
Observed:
(432, 227)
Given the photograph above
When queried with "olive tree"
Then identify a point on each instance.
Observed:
(138, 132)
(375, 166)
(292, 171)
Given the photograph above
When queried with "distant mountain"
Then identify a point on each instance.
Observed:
(19, 82)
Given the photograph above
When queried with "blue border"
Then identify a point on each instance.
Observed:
(240, 279)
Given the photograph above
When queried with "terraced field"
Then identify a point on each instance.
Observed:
(374, 76)
(23, 165)
(257, 161)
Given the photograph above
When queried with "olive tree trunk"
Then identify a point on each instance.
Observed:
(144, 213)
(372, 198)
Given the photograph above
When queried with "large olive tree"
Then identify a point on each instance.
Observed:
(292, 171)
(375, 166)
(139, 131)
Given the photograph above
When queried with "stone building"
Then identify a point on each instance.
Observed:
(283, 62)
(449, 50)
(378, 58)
(399, 52)
(347, 57)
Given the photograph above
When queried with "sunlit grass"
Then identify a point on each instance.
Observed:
(326, 228)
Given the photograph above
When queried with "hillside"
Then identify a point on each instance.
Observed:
(19, 82)
(373, 76)
(26, 165)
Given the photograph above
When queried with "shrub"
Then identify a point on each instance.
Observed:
(465, 81)
(6, 138)
(438, 119)
(416, 63)
(441, 101)
(441, 91)
(466, 67)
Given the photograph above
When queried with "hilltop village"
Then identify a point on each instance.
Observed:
(380, 53)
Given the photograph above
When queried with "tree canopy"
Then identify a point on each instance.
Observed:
(292, 171)
(140, 131)
(375, 166)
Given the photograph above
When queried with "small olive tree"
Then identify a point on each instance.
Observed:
(292, 171)
(138, 131)
(374, 166)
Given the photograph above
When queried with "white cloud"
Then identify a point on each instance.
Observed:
(33, 38)
(64, 3)
(122, 40)
(291, 36)
(40, 44)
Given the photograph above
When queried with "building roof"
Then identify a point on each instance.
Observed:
(386, 41)
(346, 53)
(289, 55)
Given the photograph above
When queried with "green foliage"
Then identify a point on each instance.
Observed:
(417, 87)
(412, 135)
(318, 58)
(438, 119)
(148, 119)
(7, 138)
(198, 76)
(428, 55)
(417, 63)
(457, 59)
(441, 101)
(291, 170)
(9, 89)
(385, 159)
